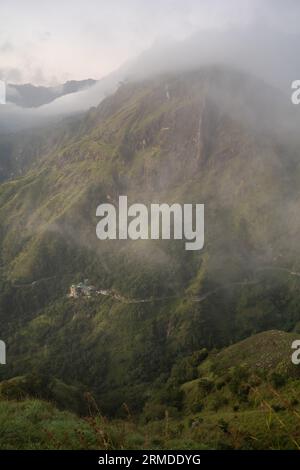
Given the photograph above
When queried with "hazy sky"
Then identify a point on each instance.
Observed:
(45, 42)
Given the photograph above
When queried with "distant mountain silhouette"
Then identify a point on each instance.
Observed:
(31, 96)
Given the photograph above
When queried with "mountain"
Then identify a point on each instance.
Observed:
(215, 136)
(31, 96)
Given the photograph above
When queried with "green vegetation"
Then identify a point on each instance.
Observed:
(225, 405)
(205, 363)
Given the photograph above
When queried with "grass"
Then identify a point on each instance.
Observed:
(35, 424)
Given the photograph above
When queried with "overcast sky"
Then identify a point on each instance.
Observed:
(46, 42)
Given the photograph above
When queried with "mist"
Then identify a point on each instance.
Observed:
(258, 38)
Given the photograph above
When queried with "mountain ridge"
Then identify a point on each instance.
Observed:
(32, 96)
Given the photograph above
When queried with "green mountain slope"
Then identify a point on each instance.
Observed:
(181, 139)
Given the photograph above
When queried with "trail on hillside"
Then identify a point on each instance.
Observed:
(274, 268)
(206, 295)
(201, 298)
(34, 283)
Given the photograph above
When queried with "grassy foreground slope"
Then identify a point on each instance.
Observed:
(243, 401)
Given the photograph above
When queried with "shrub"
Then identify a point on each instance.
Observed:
(154, 411)
(205, 386)
(197, 407)
(223, 425)
(278, 407)
(239, 385)
(219, 401)
(277, 380)
(220, 383)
